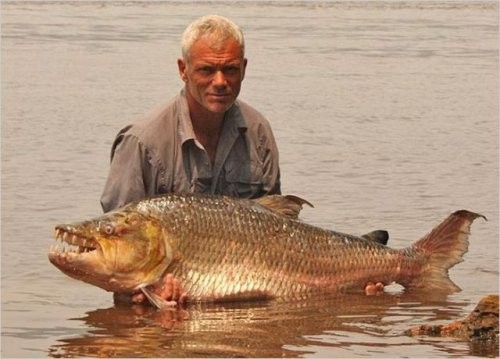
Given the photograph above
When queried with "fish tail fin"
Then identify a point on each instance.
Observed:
(443, 247)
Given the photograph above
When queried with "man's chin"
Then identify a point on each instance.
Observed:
(219, 107)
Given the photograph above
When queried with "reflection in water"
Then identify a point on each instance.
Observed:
(262, 329)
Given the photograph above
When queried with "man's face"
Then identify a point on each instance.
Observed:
(213, 74)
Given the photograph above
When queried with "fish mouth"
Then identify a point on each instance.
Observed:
(72, 244)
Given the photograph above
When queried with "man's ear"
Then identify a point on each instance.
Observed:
(245, 61)
(181, 64)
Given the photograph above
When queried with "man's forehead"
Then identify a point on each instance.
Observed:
(208, 46)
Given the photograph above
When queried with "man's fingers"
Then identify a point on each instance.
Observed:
(374, 289)
(138, 298)
(370, 288)
(182, 298)
(169, 289)
(176, 289)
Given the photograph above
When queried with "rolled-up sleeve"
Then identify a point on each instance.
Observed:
(125, 182)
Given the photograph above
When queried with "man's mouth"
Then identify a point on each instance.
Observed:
(219, 95)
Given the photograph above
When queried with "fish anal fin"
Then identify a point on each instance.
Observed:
(288, 206)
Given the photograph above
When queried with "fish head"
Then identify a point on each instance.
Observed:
(119, 252)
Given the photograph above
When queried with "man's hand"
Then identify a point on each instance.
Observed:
(374, 289)
(169, 289)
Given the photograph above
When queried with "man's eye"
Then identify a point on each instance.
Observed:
(230, 70)
(206, 70)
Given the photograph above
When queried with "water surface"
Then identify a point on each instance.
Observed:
(386, 116)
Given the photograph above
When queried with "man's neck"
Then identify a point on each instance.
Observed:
(207, 128)
(208, 124)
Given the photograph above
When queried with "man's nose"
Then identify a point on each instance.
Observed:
(219, 79)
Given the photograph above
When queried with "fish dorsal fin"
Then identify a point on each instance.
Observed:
(288, 206)
(378, 236)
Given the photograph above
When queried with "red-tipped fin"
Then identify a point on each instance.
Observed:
(444, 247)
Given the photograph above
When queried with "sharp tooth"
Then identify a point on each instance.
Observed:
(65, 236)
(84, 243)
(74, 239)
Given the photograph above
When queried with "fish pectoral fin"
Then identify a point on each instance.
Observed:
(288, 206)
(158, 301)
(378, 236)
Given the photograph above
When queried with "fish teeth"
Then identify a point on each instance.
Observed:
(67, 243)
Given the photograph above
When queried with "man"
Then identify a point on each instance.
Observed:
(204, 140)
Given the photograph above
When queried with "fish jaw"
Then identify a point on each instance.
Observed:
(118, 252)
(77, 256)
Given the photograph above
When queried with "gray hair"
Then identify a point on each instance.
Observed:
(215, 27)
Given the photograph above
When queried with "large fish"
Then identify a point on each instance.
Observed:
(223, 248)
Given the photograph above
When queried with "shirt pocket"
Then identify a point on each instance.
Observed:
(244, 179)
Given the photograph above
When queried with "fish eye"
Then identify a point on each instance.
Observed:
(109, 230)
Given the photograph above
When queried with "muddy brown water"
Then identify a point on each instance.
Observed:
(386, 116)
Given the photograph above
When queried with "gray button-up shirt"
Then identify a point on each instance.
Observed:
(160, 154)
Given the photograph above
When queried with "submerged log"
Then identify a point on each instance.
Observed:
(480, 324)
